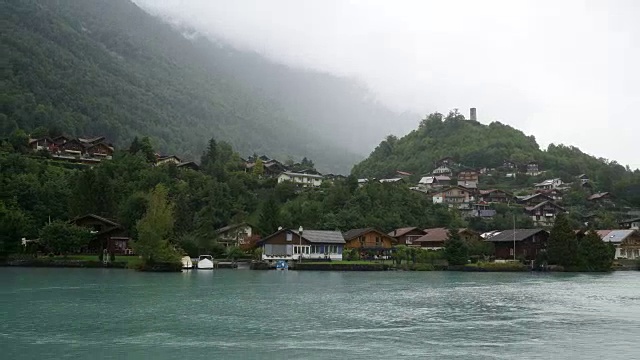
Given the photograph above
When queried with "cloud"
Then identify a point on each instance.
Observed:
(564, 71)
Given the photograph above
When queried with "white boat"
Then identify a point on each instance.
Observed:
(205, 262)
(186, 262)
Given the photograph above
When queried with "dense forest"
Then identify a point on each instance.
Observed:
(107, 68)
(475, 145)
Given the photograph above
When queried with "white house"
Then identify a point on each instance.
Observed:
(626, 242)
(443, 170)
(549, 184)
(288, 244)
(431, 182)
(303, 180)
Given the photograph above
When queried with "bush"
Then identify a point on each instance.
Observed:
(422, 267)
(494, 266)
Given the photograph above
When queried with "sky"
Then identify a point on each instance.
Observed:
(562, 71)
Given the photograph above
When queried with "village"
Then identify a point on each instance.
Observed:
(450, 184)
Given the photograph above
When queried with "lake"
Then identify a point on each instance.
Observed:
(243, 314)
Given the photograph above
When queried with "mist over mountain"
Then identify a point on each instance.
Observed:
(109, 68)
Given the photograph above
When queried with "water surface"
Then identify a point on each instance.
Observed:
(236, 314)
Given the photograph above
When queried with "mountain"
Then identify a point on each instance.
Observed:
(476, 145)
(106, 67)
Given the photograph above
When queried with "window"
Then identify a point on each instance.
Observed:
(289, 236)
(511, 251)
(378, 241)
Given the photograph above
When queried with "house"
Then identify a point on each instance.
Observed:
(495, 196)
(392, 181)
(534, 199)
(544, 213)
(626, 242)
(453, 196)
(189, 165)
(362, 182)
(468, 175)
(434, 182)
(73, 147)
(533, 169)
(167, 159)
(630, 224)
(235, 235)
(549, 184)
(108, 234)
(528, 243)
(100, 150)
(288, 244)
(583, 178)
(470, 185)
(301, 180)
(554, 194)
(603, 198)
(407, 236)
(43, 143)
(370, 241)
(442, 171)
(508, 164)
(59, 140)
(435, 238)
(92, 141)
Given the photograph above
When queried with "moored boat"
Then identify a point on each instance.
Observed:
(186, 262)
(205, 262)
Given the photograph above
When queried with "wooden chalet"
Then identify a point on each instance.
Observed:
(544, 213)
(495, 196)
(435, 238)
(407, 236)
(288, 244)
(235, 234)
(528, 243)
(370, 242)
(469, 176)
(108, 234)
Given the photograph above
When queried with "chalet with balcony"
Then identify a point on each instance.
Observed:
(43, 143)
(533, 169)
(167, 159)
(442, 171)
(602, 199)
(236, 234)
(453, 196)
(519, 243)
(554, 194)
(107, 234)
(544, 213)
(289, 244)
(626, 242)
(369, 241)
(495, 196)
(533, 199)
(434, 182)
(407, 236)
(301, 180)
(469, 176)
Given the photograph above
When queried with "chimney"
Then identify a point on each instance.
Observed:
(472, 114)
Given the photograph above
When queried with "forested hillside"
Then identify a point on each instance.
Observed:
(108, 68)
(475, 145)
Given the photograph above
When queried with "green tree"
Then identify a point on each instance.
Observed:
(455, 249)
(269, 217)
(562, 248)
(155, 228)
(19, 140)
(234, 253)
(258, 168)
(63, 238)
(594, 254)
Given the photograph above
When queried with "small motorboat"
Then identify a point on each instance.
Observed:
(186, 262)
(205, 262)
(282, 265)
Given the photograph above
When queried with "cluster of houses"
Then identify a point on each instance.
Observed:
(300, 244)
(304, 177)
(76, 150)
(460, 190)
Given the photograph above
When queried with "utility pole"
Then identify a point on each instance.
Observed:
(514, 237)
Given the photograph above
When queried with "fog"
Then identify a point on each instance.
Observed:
(563, 71)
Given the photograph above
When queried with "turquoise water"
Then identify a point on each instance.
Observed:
(242, 314)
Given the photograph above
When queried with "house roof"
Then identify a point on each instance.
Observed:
(32, 140)
(529, 197)
(434, 234)
(529, 208)
(629, 221)
(598, 196)
(99, 218)
(508, 235)
(616, 236)
(189, 164)
(91, 140)
(230, 227)
(354, 233)
(165, 157)
(289, 173)
(313, 236)
(468, 184)
(487, 192)
(402, 231)
(391, 180)
(403, 173)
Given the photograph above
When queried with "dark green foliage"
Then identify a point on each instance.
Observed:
(455, 249)
(108, 68)
(562, 248)
(269, 218)
(594, 254)
(60, 237)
